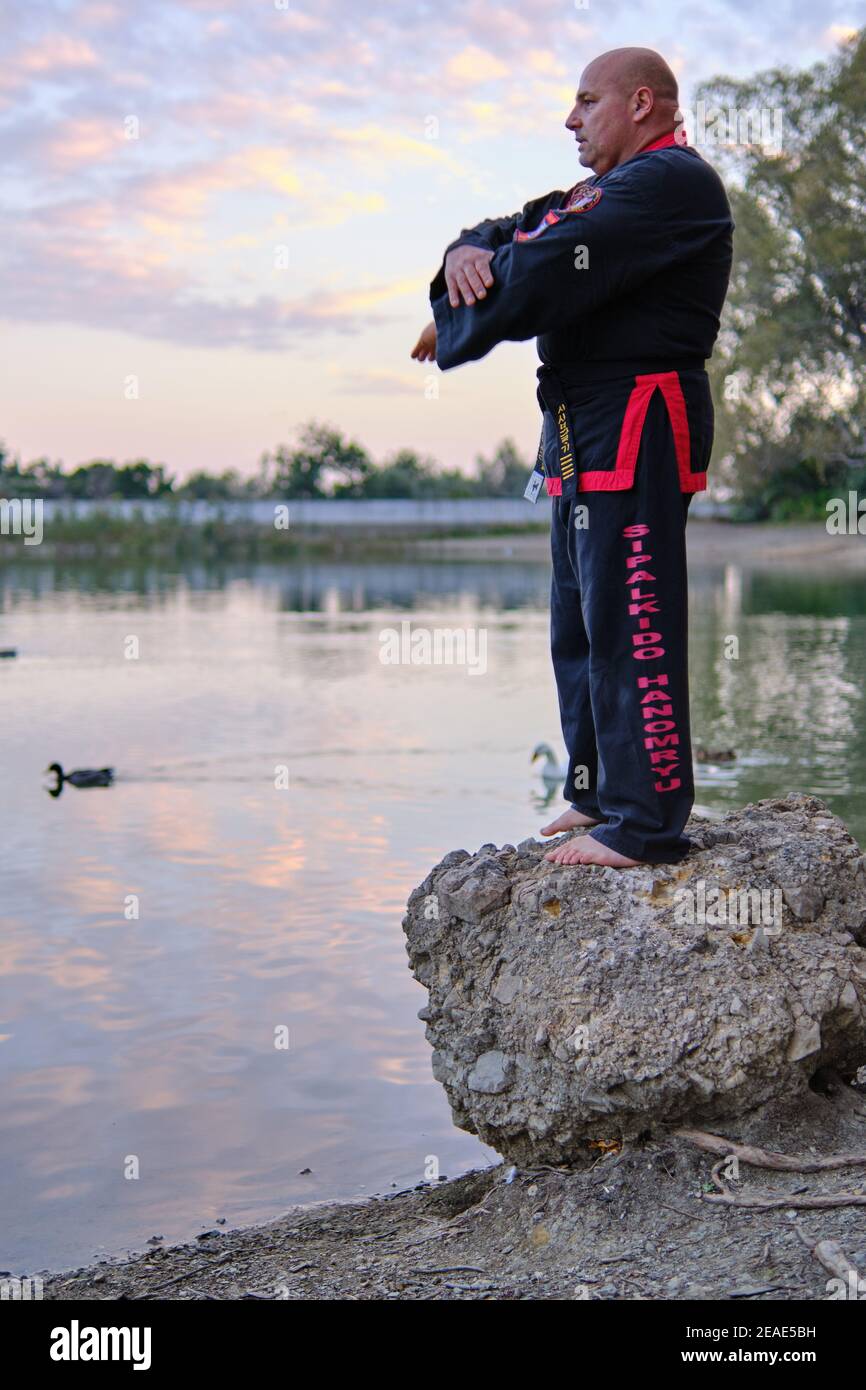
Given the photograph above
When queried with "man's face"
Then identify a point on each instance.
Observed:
(600, 120)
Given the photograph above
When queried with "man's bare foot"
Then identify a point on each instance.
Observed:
(586, 850)
(569, 820)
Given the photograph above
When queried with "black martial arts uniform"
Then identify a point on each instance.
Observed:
(622, 278)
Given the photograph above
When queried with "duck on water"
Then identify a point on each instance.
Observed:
(82, 777)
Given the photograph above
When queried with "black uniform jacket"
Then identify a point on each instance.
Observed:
(622, 279)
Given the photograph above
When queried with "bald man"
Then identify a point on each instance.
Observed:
(622, 279)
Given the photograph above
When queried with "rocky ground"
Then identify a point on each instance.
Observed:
(635, 1223)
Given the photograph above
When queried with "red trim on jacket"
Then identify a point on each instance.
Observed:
(621, 476)
(632, 429)
(665, 141)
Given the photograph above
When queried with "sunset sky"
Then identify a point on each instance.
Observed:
(241, 203)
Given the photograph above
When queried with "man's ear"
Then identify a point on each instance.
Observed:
(643, 102)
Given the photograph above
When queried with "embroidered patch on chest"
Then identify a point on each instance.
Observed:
(584, 197)
(581, 198)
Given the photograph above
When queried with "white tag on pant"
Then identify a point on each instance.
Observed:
(533, 487)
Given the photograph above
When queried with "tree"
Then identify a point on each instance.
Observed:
(322, 460)
(94, 481)
(143, 479)
(408, 475)
(405, 475)
(37, 479)
(789, 367)
(504, 475)
(213, 486)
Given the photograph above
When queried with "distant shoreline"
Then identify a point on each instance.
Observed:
(752, 545)
(100, 540)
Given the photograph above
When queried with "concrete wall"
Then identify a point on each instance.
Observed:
(379, 514)
(360, 513)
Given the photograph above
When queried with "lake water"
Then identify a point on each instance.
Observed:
(262, 907)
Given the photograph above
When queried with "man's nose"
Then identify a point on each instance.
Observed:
(572, 120)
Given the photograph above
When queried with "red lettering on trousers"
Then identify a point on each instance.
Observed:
(656, 705)
(665, 755)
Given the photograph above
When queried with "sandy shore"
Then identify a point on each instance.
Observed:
(780, 547)
(632, 1224)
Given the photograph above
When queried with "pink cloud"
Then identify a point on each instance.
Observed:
(97, 281)
(82, 142)
(56, 51)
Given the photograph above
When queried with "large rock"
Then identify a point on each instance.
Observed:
(575, 1003)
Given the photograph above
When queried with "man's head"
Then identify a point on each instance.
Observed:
(626, 99)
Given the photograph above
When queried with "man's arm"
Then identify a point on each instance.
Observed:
(490, 234)
(637, 228)
(487, 236)
(498, 231)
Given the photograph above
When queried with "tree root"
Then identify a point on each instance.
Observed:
(765, 1158)
(830, 1254)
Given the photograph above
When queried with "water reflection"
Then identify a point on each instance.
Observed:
(159, 933)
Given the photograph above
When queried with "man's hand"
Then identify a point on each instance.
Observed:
(467, 272)
(425, 348)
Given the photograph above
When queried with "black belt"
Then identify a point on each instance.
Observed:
(551, 396)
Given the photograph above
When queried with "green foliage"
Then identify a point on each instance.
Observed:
(214, 487)
(505, 474)
(37, 479)
(789, 368)
(323, 460)
(93, 481)
(324, 463)
(407, 475)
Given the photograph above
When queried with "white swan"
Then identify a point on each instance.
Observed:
(552, 772)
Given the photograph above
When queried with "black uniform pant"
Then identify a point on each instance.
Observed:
(619, 642)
